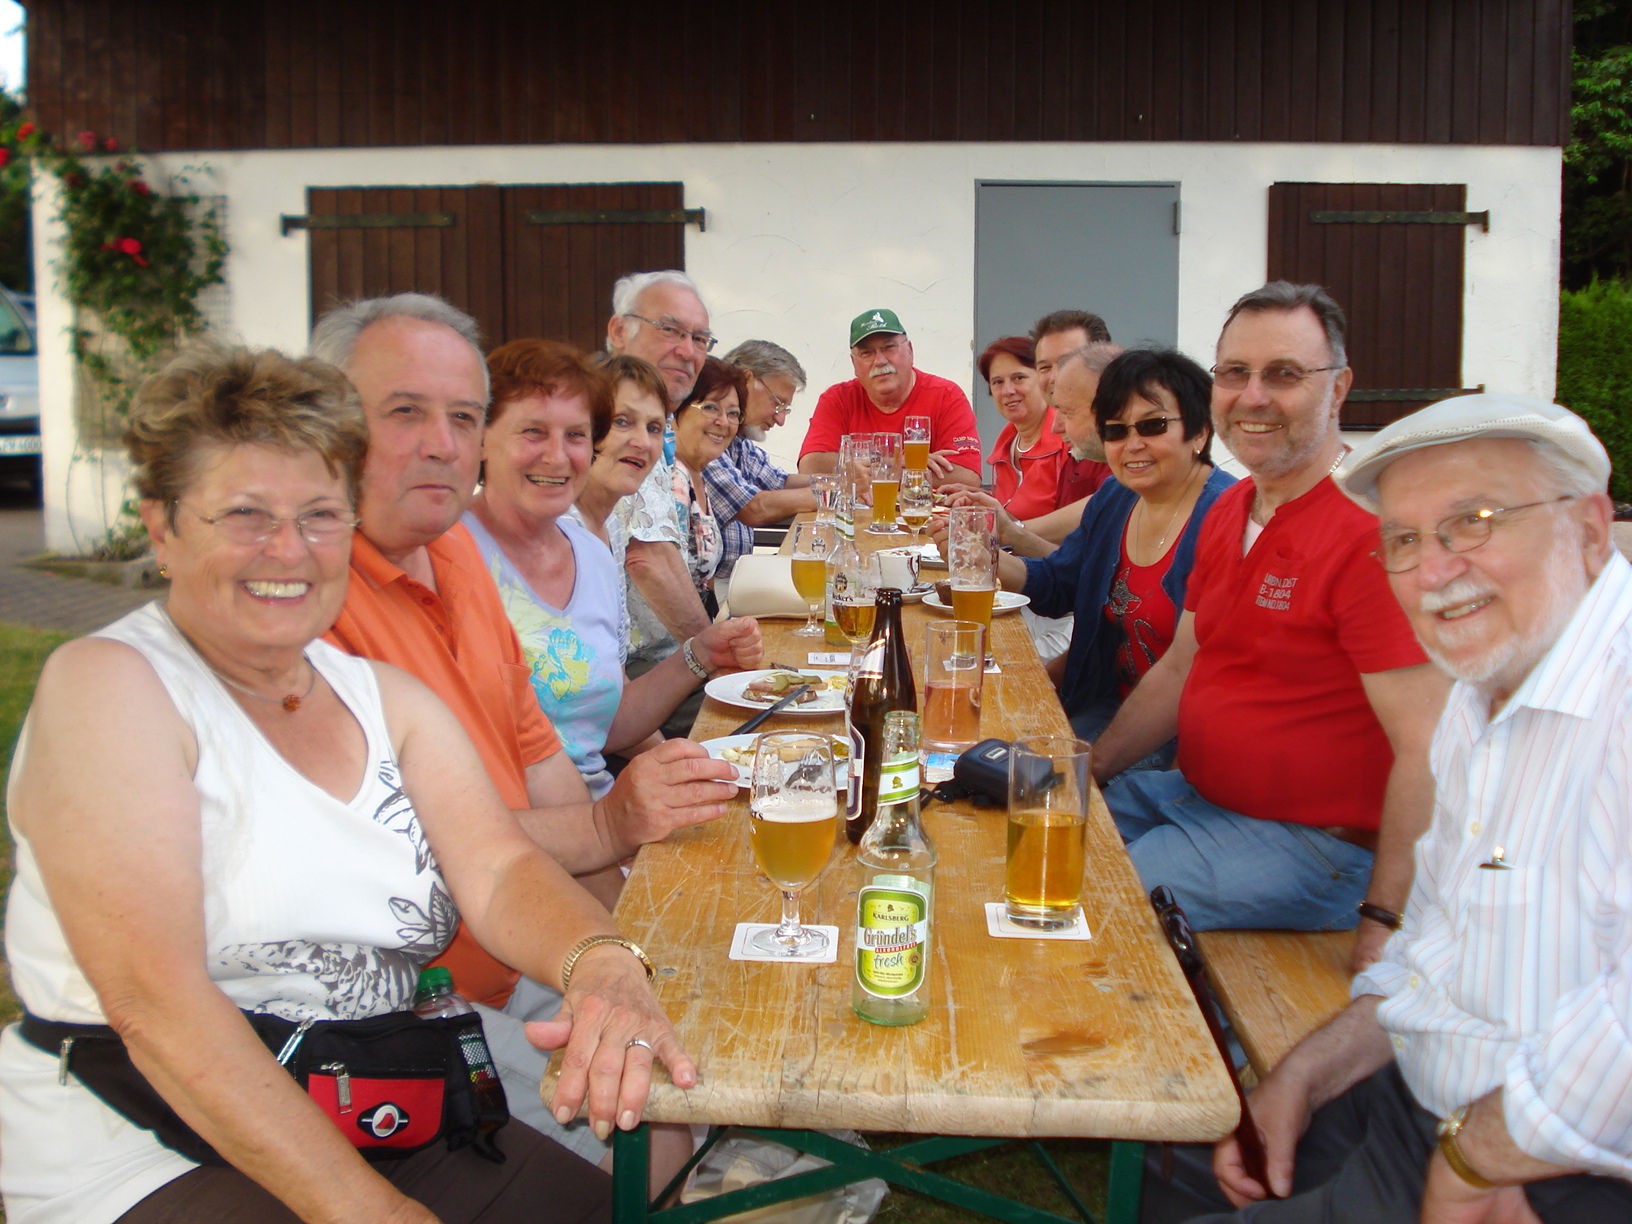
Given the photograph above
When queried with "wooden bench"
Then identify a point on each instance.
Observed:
(1276, 987)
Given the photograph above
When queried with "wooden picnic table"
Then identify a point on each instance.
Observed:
(1024, 1037)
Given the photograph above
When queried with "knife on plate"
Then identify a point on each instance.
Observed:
(753, 722)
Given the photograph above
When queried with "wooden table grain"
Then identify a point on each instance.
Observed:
(1024, 1037)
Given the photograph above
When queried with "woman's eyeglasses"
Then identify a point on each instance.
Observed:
(246, 525)
(1150, 427)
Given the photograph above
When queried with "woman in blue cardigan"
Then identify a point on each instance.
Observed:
(1123, 570)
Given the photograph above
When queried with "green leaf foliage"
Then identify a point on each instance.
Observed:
(136, 252)
(1595, 370)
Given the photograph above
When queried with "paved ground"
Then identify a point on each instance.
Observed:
(49, 601)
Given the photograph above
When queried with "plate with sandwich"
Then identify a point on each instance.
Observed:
(757, 690)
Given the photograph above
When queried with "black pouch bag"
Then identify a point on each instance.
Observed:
(393, 1084)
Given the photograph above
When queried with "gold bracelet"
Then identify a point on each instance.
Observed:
(1449, 1148)
(584, 945)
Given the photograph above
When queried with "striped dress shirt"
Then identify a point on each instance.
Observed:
(1520, 978)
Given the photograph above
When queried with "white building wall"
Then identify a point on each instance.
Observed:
(801, 237)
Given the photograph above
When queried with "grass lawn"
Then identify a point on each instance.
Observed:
(1010, 1170)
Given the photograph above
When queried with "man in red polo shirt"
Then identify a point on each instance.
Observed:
(886, 390)
(1303, 704)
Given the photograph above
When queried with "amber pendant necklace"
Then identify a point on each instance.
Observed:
(290, 704)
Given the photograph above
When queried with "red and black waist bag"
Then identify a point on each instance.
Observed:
(393, 1084)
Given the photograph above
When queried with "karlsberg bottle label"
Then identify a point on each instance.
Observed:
(892, 937)
(898, 780)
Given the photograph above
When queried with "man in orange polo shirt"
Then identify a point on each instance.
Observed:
(420, 598)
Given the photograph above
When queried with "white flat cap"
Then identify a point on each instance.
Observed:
(1462, 417)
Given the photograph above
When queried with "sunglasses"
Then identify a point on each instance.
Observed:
(1150, 427)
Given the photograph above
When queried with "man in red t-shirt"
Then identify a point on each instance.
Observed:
(1303, 704)
(885, 391)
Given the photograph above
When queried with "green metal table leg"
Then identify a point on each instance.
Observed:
(1126, 1181)
(631, 1152)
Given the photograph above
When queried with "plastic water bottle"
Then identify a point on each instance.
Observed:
(435, 998)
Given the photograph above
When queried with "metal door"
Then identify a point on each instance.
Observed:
(1111, 248)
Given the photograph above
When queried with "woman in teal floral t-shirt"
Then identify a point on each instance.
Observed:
(559, 582)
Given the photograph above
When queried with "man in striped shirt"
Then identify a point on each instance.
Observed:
(1483, 1070)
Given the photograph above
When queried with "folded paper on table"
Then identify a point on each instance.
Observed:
(762, 585)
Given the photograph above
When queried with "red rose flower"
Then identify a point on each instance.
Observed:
(111, 145)
(140, 187)
(5, 155)
(88, 139)
(25, 131)
(131, 247)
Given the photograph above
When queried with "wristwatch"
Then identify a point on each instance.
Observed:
(690, 656)
(1448, 1131)
(584, 945)
(1382, 917)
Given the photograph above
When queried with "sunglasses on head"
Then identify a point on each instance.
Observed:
(1150, 427)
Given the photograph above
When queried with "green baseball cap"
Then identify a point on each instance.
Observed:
(871, 322)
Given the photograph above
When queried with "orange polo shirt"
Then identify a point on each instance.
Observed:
(457, 640)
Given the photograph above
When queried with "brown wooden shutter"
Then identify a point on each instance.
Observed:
(1391, 254)
(527, 261)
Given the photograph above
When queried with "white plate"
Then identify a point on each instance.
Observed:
(1003, 601)
(729, 690)
(745, 771)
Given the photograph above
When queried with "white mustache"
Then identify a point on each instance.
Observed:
(1462, 591)
(882, 371)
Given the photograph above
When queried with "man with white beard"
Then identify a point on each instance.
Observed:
(1483, 1071)
(886, 390)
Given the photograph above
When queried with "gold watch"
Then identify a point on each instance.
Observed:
(1448, 1148)
(584, 945)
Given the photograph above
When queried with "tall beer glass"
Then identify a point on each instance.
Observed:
(1048, 818)
(886, 483)
(915, 444)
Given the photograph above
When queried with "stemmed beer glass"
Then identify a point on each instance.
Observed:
(813, 542)
(793, 822)
(916, 502)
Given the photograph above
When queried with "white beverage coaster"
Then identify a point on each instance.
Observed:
(998, 926)
(747, 930)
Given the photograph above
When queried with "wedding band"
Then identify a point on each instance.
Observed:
(641, 1042)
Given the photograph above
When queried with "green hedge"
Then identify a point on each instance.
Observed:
(1595, 369)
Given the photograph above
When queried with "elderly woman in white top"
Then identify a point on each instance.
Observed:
(216, 811)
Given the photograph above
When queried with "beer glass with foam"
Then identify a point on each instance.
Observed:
(1048, 818)
(793, 824)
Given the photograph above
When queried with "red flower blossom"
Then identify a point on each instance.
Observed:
(5, 156)
(111, 145)
(25, 131)
(131, 247)
(88, 139)
(136, 185)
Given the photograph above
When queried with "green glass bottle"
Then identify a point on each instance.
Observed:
(895, 900)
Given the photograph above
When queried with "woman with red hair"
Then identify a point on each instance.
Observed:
(1028, 456)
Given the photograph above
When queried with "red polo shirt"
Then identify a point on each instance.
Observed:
(1274, 722)
(458, 640)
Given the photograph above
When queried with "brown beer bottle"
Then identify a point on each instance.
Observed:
(880, 681)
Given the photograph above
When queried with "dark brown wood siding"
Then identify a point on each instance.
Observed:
(518, 278)
(201, 74)
(1399, 283)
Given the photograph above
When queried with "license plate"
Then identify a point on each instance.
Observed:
(19, 444)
